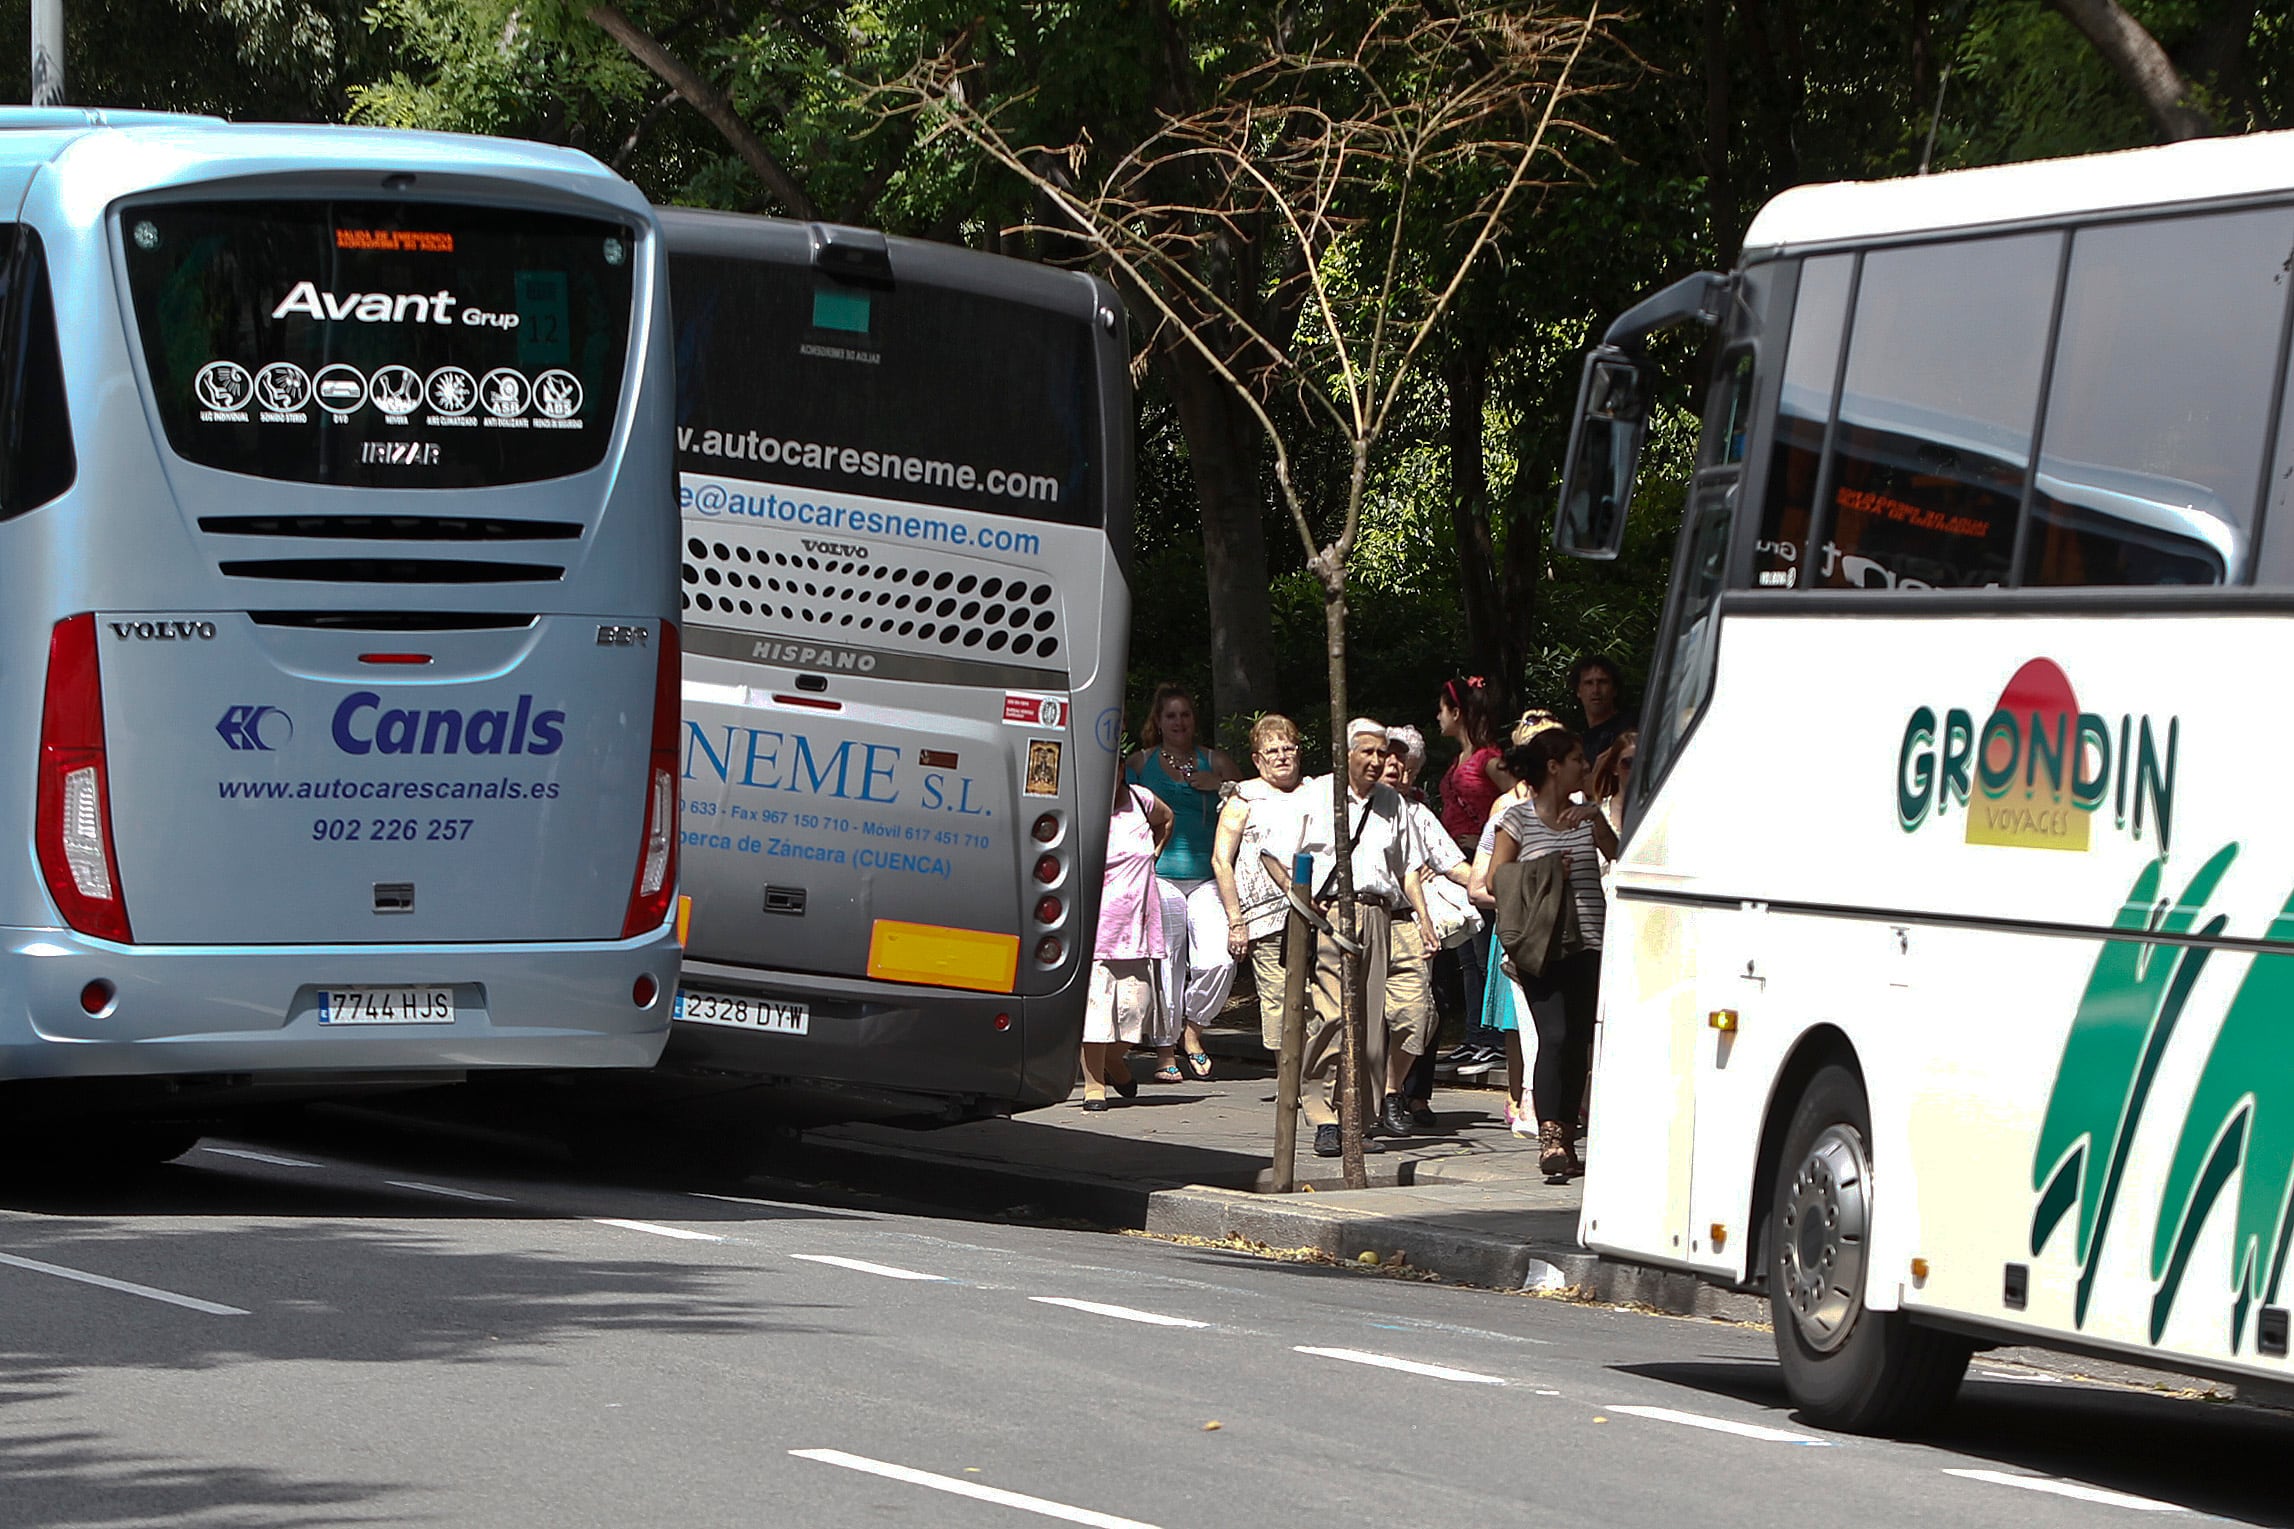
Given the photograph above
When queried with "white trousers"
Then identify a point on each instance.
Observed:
(1198, 972)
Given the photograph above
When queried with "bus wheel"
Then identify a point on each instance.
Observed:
(1845, 1366)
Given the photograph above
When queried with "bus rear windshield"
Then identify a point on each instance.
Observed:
(920, 394)
(390, 345)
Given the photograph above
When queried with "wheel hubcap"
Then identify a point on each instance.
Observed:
(1820, 1237)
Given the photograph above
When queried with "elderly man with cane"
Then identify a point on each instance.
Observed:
(1386, 889)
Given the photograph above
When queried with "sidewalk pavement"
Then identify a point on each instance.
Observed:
(1465, 1201)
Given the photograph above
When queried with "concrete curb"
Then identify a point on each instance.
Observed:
(1218, 1213)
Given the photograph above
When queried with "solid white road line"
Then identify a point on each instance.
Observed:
(971, 1489)
(259, 1157)
(1120, 1313)
(1410, 1366)
(1719, 1425)
(448, 1191)
(858, 1267)
(2071, 1489)
(124, 1287)
(656, 1229)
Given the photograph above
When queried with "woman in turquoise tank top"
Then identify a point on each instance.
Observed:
(1188, 778)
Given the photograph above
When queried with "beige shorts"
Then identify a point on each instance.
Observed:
(1409, 996)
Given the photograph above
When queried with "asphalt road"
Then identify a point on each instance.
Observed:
(307, 1331)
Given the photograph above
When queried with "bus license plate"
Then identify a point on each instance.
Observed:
(766, 1014)
(386, 1006)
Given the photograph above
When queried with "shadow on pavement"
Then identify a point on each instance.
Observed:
(66, 1480)
(2207, 1456)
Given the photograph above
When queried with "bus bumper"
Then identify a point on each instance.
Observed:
(253, 1009)
(906, 1043)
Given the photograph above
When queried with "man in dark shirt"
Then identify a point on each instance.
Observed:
(1599, 690)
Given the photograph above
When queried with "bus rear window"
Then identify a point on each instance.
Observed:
(381, 345)
(912, 393)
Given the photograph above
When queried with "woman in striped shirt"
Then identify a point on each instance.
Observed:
(1562, 998)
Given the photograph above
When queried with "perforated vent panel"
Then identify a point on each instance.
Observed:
(763, 581)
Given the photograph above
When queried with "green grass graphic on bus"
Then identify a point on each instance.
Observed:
(2240, 1114)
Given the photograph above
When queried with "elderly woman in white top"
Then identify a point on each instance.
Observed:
(1261, 818)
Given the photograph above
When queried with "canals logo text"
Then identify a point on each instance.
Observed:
(2035, 772)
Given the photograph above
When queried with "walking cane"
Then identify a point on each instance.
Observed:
(1298, 934)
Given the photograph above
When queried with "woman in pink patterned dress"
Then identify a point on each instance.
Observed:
(1121, 1007)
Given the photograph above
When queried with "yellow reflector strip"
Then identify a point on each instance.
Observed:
(943, 957)
(684, 917)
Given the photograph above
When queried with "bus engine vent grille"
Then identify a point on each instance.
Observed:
(756, 581)
(392, 528)
(393, 570)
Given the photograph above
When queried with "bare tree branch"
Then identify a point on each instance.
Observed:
(1326, 157)
(2138, 60)
(709, 101)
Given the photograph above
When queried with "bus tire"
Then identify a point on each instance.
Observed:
(1845, 1366)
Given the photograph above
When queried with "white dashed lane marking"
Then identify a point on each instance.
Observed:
(1407, 1366)
(658, 1230)
(447, 1190)
(260, 1157)
(1721, 1425)
(857, 1266)
(972, 1489)
(2071, 1489)
(1120, 1313)
(124, 1287)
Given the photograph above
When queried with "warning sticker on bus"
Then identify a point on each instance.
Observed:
(1034, 710)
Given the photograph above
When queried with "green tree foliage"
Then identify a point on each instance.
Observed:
(1706, 108)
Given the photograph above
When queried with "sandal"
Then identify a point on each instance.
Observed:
(1169, 1074)
(1199, 1064)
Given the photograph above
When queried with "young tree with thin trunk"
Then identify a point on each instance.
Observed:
(1387, 149)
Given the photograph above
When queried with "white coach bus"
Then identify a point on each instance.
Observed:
(906, 490)
(1949, 995)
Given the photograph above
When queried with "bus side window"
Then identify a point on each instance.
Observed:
(1936, 414)
(1812, 361)
(36, 459)
(2158, 407)
(2274, 564)
(1729, 415)
(1684, 677)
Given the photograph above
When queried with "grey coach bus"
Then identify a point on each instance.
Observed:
(338, 573)
(906, 489)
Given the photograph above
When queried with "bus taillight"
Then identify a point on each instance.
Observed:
(656, 881)
(74, 824)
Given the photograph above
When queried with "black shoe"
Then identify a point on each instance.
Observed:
(1096, 1106)
(1326, 1141)
(1123, 1083)
(1422, 1114)
(1394, 1118)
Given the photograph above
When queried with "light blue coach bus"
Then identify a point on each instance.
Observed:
(339, 678)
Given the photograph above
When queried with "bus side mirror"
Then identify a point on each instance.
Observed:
(1604, 454)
